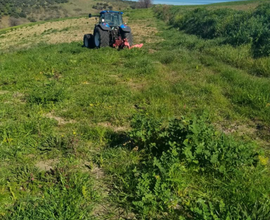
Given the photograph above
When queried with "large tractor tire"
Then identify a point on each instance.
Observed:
(129, 38)
(101, 38)
(88, 41)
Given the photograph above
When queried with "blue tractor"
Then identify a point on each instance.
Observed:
(109, 31)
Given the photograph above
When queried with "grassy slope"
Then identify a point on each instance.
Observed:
(62, 103)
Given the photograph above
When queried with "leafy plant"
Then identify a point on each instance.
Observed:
(196, 142)
(183, 160)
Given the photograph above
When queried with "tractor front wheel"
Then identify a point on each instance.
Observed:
(101, 38)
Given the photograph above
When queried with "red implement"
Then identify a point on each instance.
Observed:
(121, 44)
(136, 45)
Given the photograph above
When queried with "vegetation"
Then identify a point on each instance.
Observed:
(246, 31)
(176, 130)
(188, 170)
(20, 8)
(237, 27)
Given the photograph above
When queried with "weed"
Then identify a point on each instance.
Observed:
(182, 161)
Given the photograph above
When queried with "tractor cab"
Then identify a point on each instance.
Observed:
(111, 18)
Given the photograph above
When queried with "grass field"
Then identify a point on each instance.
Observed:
(170, 131)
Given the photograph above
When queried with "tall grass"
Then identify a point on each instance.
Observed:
(237, 27)
(228, 27)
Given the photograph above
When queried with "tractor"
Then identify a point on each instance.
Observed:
(110, 31)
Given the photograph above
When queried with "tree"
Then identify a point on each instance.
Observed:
(144, 3)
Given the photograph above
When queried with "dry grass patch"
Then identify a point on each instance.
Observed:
(55, 32)
(138, 86)
(112, 127)
(18, 95)
(60, 121)
(144, 31)
(3, 92)
(46, 165)
(239, 129)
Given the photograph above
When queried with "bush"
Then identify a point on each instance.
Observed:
(205, 23)
(261, 44)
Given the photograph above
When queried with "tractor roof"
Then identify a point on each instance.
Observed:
(118, 12)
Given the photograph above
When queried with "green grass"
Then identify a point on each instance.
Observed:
(65, 115)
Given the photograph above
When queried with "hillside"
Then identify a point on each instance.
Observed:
(16, 12)
(179, 129)
(20, 8)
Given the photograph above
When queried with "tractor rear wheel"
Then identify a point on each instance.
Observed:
(88, 41)
(129, 37)
(101, 38)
